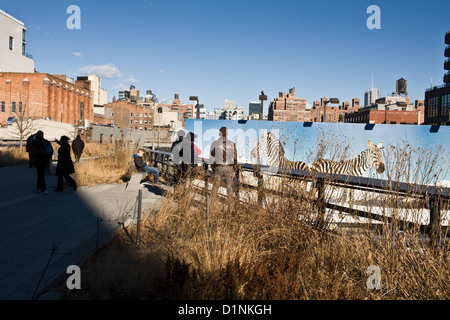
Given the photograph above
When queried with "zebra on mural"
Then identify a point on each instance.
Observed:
(270, 146)
(372, 157)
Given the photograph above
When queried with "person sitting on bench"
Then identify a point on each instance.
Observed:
(141, 165)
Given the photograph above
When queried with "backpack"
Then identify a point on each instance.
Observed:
(44, 148)
(48, 149)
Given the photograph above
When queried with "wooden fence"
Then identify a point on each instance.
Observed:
(436, 199)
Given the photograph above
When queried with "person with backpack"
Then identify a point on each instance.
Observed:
(43, 155)
(64, 166)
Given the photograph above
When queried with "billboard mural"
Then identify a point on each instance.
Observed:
(407, 153)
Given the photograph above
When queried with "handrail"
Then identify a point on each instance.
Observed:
(361, 182)
(434, 196)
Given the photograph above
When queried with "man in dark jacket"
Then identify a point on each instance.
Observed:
(141, 165)
(64, 166)
(42, 157)
(77, 147)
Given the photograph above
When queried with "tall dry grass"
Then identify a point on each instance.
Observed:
(253, 252)
(103, 164)
(274, 251)
(12, 156)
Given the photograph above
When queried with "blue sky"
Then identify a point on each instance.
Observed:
(233, 49)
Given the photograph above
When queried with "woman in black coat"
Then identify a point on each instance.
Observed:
(65, 166)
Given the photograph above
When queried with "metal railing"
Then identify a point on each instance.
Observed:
(438, 87)
(434, 198)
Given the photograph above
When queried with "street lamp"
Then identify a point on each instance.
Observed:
(398, 103)
(331, 100)
(193, 98)
(159, 124)
(262, 98)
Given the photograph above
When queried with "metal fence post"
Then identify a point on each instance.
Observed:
(260, 178)
(435, 218)
(207, 197)
(138, 225)
(320, 204)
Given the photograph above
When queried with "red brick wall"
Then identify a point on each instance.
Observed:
(393, 117)
(122, 115)
(43, 99)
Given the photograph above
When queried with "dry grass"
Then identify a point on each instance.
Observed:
(108, 165)
(257, 253)
(11, 156)
(267, 252)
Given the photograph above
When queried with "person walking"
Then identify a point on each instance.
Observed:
(42, 157)
(223, 159)
(77, 148)
(64, 167)
(31, 149)
(181, 164)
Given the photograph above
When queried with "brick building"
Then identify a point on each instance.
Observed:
(379, 116)
(287, 107)
(44, 95)
(103, 115)
(332, 113)
(129, 115)
(186, 111)
(390, 110)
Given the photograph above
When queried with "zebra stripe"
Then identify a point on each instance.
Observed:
(353, 167)
(273, 149)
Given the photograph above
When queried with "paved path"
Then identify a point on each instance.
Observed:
(32, 225)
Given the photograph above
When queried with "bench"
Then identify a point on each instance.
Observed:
(136, 176)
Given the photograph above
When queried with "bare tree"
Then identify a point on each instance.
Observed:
(24, 124)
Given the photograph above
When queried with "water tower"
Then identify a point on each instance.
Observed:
(401, 88)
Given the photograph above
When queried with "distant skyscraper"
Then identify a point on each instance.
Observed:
(370, 96)
(254, 107)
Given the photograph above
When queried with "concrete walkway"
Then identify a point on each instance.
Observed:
(57, 229)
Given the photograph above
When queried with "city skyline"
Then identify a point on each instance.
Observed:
(235, 49)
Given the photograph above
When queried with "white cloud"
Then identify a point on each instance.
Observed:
(131, 80)
(78, 54)
(120, 87)
(107, 71)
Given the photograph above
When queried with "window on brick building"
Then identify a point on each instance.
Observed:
(13, 107)
(81, 110)
(20, 107)
(3, 107)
